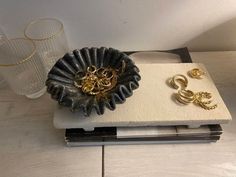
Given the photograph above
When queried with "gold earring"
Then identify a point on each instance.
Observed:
(185, 96)
(196, 73)
(91, 69)
(203, 99)
(181, 80)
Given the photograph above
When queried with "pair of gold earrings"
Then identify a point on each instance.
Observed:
(185, 96)
(194, 73)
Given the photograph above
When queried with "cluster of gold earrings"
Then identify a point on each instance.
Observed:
(185, 96)
(97, 80)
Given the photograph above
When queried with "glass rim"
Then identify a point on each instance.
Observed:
(44, 38)
(24, 59)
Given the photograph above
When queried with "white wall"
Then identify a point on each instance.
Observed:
(131, 24)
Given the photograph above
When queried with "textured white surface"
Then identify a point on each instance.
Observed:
(153, 103)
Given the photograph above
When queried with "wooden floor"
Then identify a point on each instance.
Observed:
(31, 147)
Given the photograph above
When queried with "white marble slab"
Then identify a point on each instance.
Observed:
(152, 104)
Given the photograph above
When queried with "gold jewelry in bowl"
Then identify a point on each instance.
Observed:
(87, 87)
(91, 69)
(196, 73)
(97, 81)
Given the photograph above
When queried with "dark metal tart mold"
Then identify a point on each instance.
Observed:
(60, 82)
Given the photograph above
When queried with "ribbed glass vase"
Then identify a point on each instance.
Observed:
(22, 68)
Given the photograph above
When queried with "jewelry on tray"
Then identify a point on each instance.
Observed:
(178, 81)
(203, 99)
(185, 97)
(196, 73)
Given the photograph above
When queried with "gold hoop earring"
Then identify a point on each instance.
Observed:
(181, 80)
(196, 73)
(185, 96)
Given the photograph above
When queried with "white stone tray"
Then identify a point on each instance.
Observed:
(152, 104)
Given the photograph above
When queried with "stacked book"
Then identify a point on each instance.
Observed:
(142, 135)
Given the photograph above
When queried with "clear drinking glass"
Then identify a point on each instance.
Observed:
(2, 36)
(22, 68)
(50, 39)
(2, 39)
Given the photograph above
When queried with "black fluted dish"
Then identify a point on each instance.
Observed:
(60, 81)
